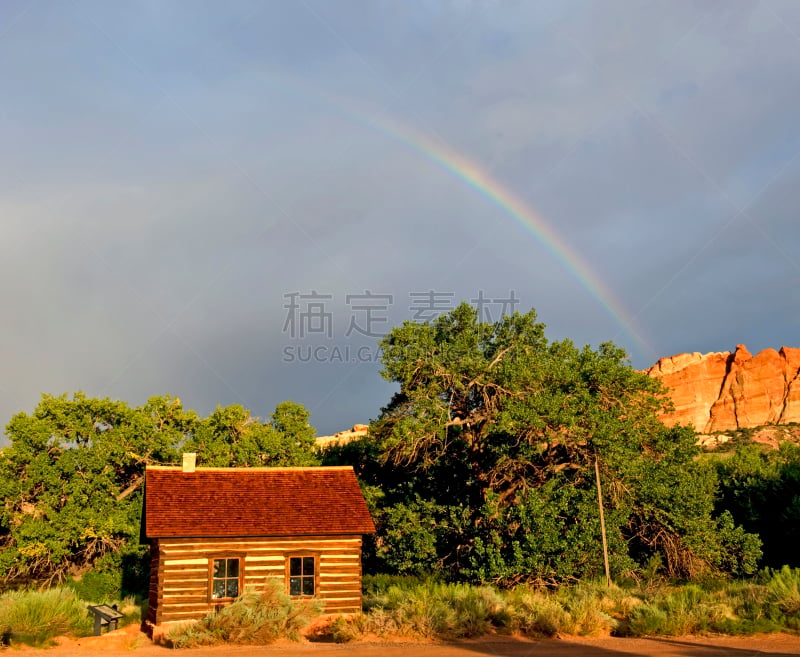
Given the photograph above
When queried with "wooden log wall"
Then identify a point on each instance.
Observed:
(180, 571)
(153, 597)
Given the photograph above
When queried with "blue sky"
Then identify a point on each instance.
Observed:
(172, 172)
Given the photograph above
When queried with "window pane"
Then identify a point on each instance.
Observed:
(308, 586)
(233, 568)
(219, 588)
(219, 568)
(232, 588)
(294, 586)
(295, 566)
(308, 565)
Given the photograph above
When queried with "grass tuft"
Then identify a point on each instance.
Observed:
(784, 589)
(36, 617)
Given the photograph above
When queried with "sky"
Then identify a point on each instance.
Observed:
(232, 202)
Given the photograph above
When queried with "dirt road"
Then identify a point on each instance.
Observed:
(774, 645)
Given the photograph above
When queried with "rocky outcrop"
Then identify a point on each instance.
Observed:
(343, 437)
(723, 391)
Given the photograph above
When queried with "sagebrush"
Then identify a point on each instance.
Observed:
(258, 617)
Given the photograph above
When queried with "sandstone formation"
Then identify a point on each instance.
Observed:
(342, 437)
(724, 391)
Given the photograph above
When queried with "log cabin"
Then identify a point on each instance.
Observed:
(215, 531)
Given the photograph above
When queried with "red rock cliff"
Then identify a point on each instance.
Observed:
(724, 391)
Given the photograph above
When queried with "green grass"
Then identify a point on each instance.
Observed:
(429, 608)
(534, 612)
(783, 587)
(434, 609)
(36, 617)
(453, 611)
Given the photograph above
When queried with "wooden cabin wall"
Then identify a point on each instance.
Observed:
(153, 589)
(181, 566)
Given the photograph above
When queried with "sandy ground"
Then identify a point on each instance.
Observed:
(130, 643)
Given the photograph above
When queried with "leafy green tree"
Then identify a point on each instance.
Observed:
(71, 479)
(70, 482)
(488, 453)
(230, 436)
(292, 420)
(760, 489)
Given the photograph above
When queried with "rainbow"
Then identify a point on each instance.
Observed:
(470, 173)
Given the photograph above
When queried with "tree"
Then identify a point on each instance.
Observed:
(490, 443)
(760, 488)
(70, 482)
(291, 420)
(231, 436)
(71, 479)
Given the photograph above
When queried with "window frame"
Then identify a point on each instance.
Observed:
(218, 557)
(301, 554)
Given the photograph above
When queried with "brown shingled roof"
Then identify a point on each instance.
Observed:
(254, 502)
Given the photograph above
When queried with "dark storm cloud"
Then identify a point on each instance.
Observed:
(171, 172)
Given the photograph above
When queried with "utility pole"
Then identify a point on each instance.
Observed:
(602, 520)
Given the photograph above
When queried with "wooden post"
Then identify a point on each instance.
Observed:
(602, 520)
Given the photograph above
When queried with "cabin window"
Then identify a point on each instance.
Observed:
(302, 575)
(225, 577)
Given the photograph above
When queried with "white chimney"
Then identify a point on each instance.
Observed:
(189, 461)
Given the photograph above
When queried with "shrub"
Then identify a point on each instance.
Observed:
(381, 583)
(36, 617)
(114, 576)
(434, 610)
(344, 630)
(97, 586)
(586, 608)
(381, 622)
(751, 610)
(338, 629)
(535, 612)
(256, 618)
(420, 611)
(784, 589)
(677, 611)
(446, 611)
